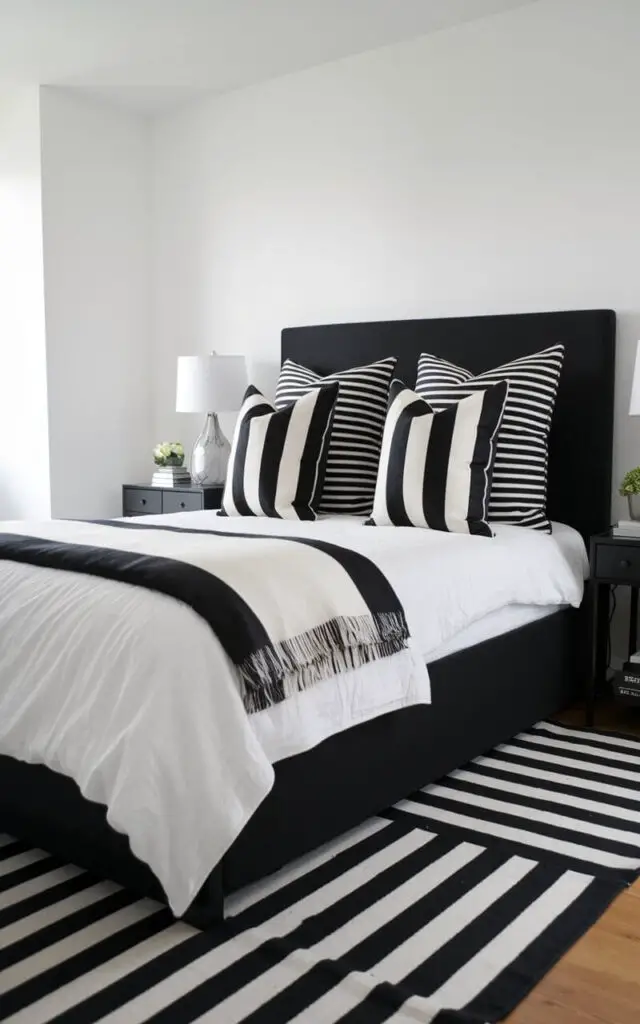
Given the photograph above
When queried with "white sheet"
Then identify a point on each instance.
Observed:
(131, 694)
(492, 625)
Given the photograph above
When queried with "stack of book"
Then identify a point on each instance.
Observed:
(626, 528)
(171, 476)
(626, 684)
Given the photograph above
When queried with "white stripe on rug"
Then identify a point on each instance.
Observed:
(268, 984)
(475, 975)
(31, 966)
(346, 996)
(39, 884)
(570, 762)
(594, 739)
(245, 898)
(569, 781)
(87, 985)
(523, 836)
(487, 803)
(56, 912)
(540, 793)
(550, 796)
(358, 928)
(406, 957)
(21, 860)
(216, 960)
(591, 750)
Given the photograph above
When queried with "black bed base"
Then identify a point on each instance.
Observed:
(481, 696)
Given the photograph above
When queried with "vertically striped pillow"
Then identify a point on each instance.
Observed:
(519, 488)
(435, 467)
(277, 462)
(356, 433)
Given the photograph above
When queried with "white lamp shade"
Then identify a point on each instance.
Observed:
(634, 404)
(210, 383)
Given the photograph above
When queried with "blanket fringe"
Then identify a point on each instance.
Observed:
(281, 670)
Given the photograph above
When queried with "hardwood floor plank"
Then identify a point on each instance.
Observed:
(539, 1010)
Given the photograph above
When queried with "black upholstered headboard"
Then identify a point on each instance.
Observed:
(582, 432)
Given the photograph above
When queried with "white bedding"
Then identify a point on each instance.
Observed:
(353, 697)
(131, 694)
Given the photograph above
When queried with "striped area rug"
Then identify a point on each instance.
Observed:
(448, 908)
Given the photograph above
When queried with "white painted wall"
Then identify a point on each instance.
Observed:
(492, 167)
(95, 189)
(24, 445)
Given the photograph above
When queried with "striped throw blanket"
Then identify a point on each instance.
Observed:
(289, 612)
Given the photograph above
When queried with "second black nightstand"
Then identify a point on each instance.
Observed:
(614, 561)
(143, 500)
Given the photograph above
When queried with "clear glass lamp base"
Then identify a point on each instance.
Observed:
(210, 455)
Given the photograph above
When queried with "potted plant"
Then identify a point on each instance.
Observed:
(169, 453)
(630, 489)
(169, 471)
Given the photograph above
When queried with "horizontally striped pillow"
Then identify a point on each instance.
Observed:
(519, 488)
(356, 433)
(277, 462)
(435, 467)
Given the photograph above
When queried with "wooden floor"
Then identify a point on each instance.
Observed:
(598, 980)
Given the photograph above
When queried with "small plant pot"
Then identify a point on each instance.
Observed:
(633, 501)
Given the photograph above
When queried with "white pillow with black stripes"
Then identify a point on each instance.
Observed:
(356, 433)
(278, 457)
(519, 488)
(435, 467)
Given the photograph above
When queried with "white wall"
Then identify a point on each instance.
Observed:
(24, 446)
(492, 167)
(95, 187)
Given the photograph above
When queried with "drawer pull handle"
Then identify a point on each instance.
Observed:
(143, 501)
(182, 504)
(625, 564)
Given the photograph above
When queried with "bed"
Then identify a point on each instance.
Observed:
(481, 695)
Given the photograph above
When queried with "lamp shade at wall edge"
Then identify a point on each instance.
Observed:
(634, 401)
(213, 383)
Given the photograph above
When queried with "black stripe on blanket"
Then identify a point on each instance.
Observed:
(268, 671)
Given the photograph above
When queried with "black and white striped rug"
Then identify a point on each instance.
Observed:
(448, 907)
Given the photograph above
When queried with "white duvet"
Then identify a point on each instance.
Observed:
(130, 693)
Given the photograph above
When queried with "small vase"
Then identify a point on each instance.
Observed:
(210, 455)
(633, 501)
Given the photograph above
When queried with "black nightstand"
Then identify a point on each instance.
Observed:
(614, 561)
(143, 500)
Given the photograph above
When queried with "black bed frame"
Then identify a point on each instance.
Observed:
(480, 696)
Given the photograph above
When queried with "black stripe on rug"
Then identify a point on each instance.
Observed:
(412, 917)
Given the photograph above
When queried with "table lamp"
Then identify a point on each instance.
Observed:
(634, 404)
(205, 384)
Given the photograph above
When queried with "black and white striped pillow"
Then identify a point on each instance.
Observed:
(519, 488)
(435, 467)
(356, 433)
(277, 462)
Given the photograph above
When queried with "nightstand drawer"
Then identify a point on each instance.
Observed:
(181, 501)
(142, 501)
(618, 562)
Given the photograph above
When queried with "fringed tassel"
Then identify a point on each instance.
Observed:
(276, 672)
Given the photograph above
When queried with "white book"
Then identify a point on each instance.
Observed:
(626, 528)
